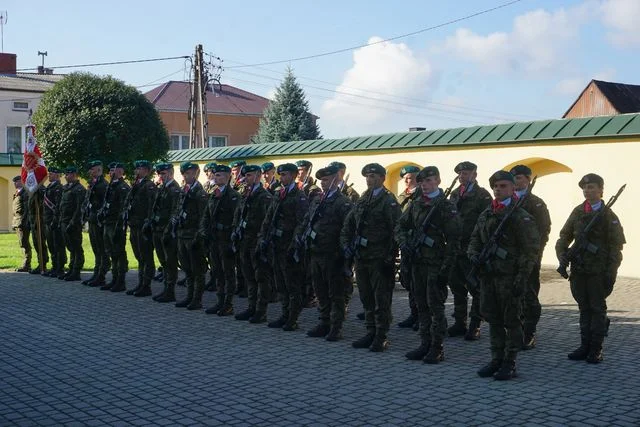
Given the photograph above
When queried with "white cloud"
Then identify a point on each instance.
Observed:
(537, 42)
(360, 107)
(575, 85)
(621, 16)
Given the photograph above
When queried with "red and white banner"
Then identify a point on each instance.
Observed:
(34, 170)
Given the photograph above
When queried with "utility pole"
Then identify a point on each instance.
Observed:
(198, 136)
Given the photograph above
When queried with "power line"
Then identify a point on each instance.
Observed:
(99, 64)
(413, 33)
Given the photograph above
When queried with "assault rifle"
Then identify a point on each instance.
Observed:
(581, 243)
(421, 238)
(182, 215)
(238, 233)
(271, 232)
(104, 209)
(491, 248)
(357, 240)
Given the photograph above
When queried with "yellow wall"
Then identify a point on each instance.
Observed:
(559, 167)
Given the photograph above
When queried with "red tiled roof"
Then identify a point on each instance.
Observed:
(174, 96)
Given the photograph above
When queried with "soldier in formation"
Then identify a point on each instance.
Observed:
(73, 194)
(20, 223)
(53, 233)
(93, 203)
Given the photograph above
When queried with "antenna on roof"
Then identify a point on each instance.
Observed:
(3, 21)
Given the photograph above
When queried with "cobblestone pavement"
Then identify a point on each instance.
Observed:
(73, 355)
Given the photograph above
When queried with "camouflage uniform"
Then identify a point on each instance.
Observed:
(94, 200)
(215, 274)
(36, 223)
(20, 224)
(404, 199)
(55, 239)
(71, 226)
(111, 217)
(353, 196)
(430, 267)
(307, 293)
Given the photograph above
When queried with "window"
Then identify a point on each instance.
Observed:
(217, 141)
(179, 142)
(21, 105)
(14, 139)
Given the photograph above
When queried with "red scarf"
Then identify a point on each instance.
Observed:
(462, 188)
(186, 188)
(497, 206)
(283, 193)
(587, 207)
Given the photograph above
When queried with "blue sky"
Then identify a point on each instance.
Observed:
(525, 61)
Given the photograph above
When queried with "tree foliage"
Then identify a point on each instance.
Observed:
(86, 117)
(288, 118)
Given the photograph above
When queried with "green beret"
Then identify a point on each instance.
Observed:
(408, 169)
(520, 170)
(339, 165)
(185, 166)
(222, 168)
(287, 167)
(71, 169)
(237, 163)
(53, 169)
(304, 164)
(251, 168)
(591, 178)
(142, 164)
(427, 172)
(327, 171)
(116, 165)
(93, 164)
(17, 178)
(465, 166)
(501, 176)
(267, 166)
(163, 166)
(374, 168)
(210, 166)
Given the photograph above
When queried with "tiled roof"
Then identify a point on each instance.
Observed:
(624, 97)
(29, 82)
(544, 131)
(175, 96)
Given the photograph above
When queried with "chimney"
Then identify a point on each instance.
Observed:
(8, 63)
(417, 129)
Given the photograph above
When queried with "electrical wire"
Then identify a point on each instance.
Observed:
(413, 33)
(99, 64)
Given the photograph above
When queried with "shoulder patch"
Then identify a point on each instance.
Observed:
(539, 204)
(615, 221)
(394, 204)
(526, 218)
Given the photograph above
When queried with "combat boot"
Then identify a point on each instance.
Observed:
(161, 294)
(290, 325)
(458, 329)
(490, 368)
(319, 331)
(168, 295)
(24, 269)
(335, 333)
(408, 322)
(145, 289)
(581, 352)
(72, 277)
(529, 341)
(435, 354)
(379, 344)
(365, 341)
(96, 283)
(187, 300)
(246, 315)
(226, 310)
(420, 352)
(216, 308)
(182, 282)
(196, 301)
(119, 285)
(86, 282)
(137, 288)
(507, 371)
(360, 316)
(108, 286)
(473, 333)
(595, 353)
(259, 316)
(278, 323)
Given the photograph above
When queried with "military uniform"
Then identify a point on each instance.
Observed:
(216, 227)
(111, 216)
(238, 183)
(503, 284)
(247, 222)
(94, 201)
(321, 228)
(20, 224)
(166, 202)
(430, 264)
(471, 201)
(370, 226)
(283, 216)
(138, 208)
(71, 226)
(55, 239)
(191, 248)
(37, 226)
(594, 271)
(209, 187)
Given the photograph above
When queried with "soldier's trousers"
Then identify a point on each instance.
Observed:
(102, 261)
(288, 276)
(257, 276)
(405, 281)
(531, 308)
(143, 251)
(458, 285)
(225, 264)
(375, 285)
(167, 251)
(430, 294)
(328, 283)
(25, 245)
(73, 243)
(114, 247)
(589, 292)
(191, 253)
(502, 310)
(56, 244)
(38, 240)
(216, 273)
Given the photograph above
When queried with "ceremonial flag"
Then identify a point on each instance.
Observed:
(34, 170)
